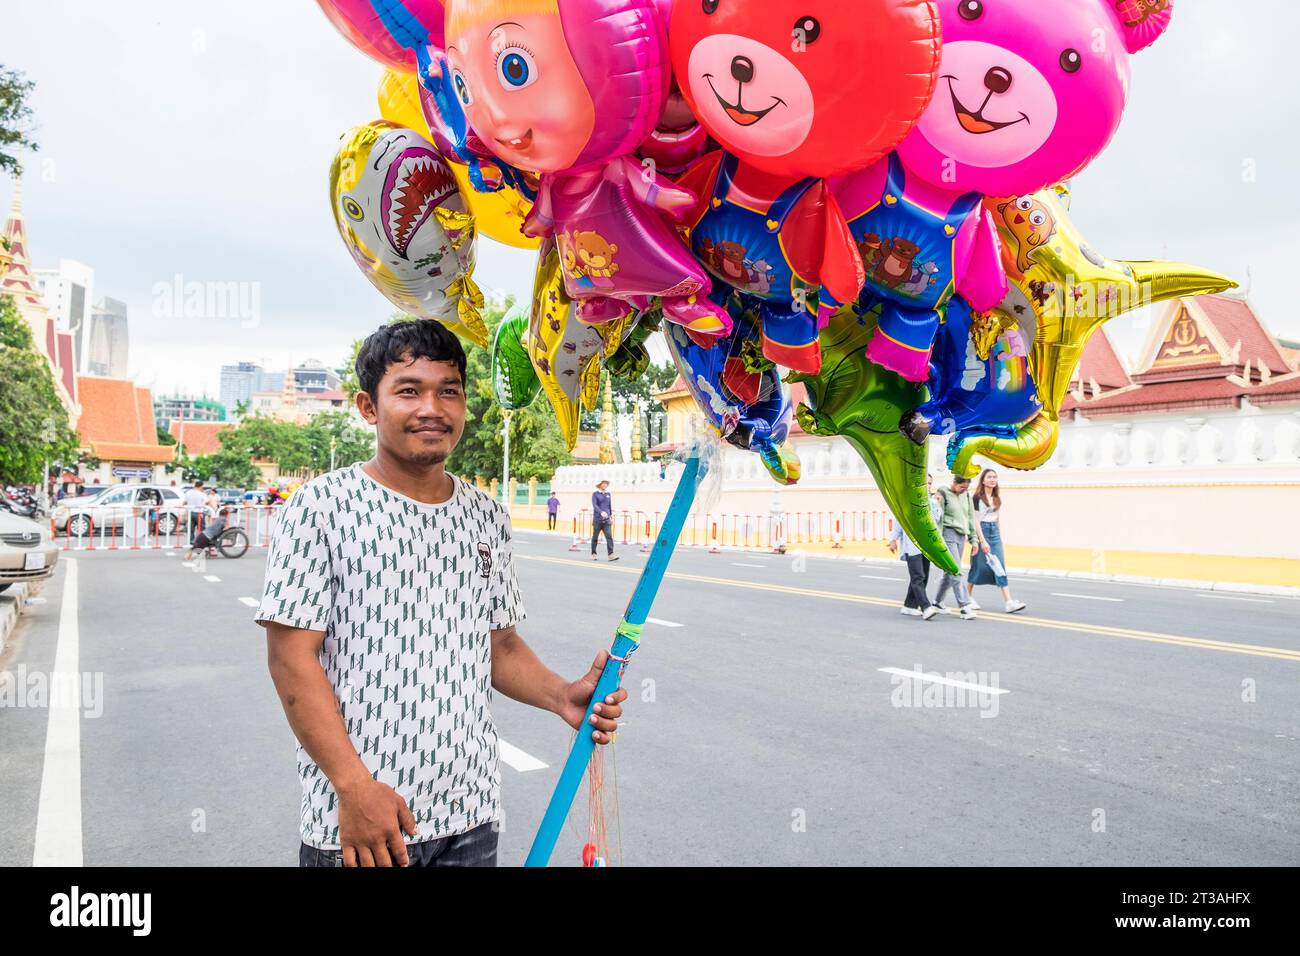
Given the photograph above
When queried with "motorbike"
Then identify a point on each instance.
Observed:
(21, 502)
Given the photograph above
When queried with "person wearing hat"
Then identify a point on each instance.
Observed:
(602, 519)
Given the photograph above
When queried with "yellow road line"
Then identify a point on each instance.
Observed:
(1226, 647)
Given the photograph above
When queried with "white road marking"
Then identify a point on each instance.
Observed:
(170, 554)
(947, 681)
(248, 602)
(1228, 597)
(212, 577)
(58, 814)
(879, 577)
(737, 564)
(1086, 597)
(516, 759)
(662, 623)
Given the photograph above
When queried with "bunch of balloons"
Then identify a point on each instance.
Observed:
(864, 193)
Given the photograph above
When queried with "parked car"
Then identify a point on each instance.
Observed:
(160, 505)
(230, 496)
(84, 491)
(27, 550)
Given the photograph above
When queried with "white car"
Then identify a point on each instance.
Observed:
(27, 551)
(107, 511)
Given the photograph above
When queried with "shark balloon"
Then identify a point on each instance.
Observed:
(401, 215)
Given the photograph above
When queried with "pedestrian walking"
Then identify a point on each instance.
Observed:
(988, 561)
(917, 602)
(196, 503)
(958, 526)
(552, 511)
(602, 519)
(391, 609)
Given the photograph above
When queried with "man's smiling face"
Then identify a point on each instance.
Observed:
(419, 411)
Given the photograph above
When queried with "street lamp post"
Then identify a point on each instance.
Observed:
(333, 446)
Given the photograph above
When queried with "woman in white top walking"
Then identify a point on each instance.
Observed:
(988, 563)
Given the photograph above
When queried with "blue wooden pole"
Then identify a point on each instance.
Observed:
(626, 640)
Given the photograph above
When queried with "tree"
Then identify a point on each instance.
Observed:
(348, 383)
(352, 442)
(34, 425)
(15, 118)
(654, 418)
(536, 444)
(14, 330)
(226, 467)
(164, 436)
(265, 439)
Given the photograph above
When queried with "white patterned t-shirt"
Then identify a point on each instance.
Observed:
(406, 594)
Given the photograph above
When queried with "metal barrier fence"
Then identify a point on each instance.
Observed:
(140, 527)
(716, 532)
(144, 527)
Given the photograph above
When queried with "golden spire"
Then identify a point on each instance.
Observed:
(636, 430)
(607, 454)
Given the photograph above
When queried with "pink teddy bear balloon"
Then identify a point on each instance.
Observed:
(1030, 92)
(570, 89)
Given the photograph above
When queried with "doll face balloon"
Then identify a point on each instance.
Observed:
(806, 87)
(1030, 91)
(522, 91)
(532, 75)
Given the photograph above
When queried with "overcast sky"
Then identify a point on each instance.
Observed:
(189, 139)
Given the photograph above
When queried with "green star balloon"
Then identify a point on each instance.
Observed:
(514, 380)
(855, 398)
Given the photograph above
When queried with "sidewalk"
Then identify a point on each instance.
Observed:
(11, 606)
(1249, 575)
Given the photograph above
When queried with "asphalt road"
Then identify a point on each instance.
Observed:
(1120, 725)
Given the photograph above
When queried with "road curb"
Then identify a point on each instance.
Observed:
(11, 608)
(1231, 587)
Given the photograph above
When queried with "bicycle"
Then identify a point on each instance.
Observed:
(232, 543)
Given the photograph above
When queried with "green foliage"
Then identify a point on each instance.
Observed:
(227, 468)
(15, 118)
(348, 383)
(266, 439)
(34, 425)
(14, 330)
(164, 436)
(654, 418)
(291, 446)
(352, 443)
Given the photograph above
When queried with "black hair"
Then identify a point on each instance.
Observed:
(406, 341)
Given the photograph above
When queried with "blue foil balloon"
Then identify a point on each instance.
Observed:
(979, 380)
(738, 392)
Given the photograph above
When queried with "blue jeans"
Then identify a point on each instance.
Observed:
(478, 847)
(981, 572)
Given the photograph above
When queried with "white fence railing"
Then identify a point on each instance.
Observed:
(141, 527)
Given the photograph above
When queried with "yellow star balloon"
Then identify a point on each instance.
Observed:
(566, 354)
(1067, 290)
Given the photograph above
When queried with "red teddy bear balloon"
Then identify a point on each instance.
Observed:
(795, 91)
